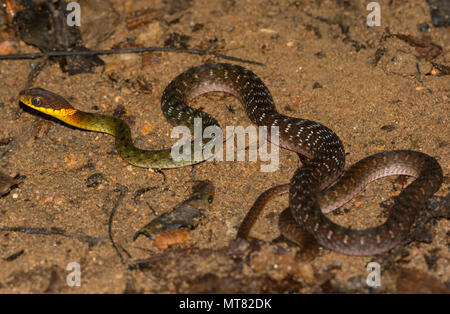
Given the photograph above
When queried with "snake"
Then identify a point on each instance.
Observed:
(174, 108)
(319, 186)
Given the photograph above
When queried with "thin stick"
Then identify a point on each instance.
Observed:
(125, 50)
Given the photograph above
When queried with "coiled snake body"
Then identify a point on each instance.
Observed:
(320, 185)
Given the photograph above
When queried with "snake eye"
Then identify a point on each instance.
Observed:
(36, 101)
(210, 199)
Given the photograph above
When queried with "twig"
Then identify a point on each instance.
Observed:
(122, 190)
(54, 231)
(125, 50)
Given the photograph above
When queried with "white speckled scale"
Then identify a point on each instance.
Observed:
(321, 183)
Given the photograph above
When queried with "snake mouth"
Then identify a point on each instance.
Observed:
(24, 99)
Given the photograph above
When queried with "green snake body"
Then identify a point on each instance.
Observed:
(58, 107)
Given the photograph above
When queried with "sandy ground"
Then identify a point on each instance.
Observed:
(319, 64)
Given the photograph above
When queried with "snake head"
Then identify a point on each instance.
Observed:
(46, 102)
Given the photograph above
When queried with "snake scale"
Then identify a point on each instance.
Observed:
(319, 185)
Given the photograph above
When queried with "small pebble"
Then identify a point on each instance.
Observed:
(94, 180)
(424, 27)
(388, 127)
(317, 85)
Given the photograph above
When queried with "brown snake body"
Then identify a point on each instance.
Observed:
(320, 185)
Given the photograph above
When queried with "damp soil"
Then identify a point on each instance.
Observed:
(78, 201)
